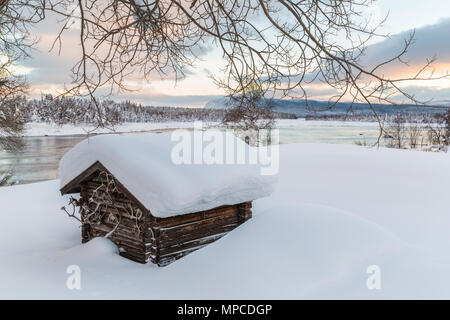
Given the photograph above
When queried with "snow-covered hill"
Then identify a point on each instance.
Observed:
(336, 211)
(300, 108)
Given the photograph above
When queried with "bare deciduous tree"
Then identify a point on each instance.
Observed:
(249, 110)
(414, 134)
(11, 120)
(431, 133)
(285, 46)
(446, 121)
(15, 18)
(437, 134)
(396, 132)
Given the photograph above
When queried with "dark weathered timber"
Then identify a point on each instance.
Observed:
(148, 238)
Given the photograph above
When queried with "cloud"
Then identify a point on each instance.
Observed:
(429, 94)
(158, 99)
(48, 72)
(429, 41)
(52, 66)
(55, 66)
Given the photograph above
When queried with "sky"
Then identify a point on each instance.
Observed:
(47, 71)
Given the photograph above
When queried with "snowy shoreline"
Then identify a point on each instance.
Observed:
(37, 129)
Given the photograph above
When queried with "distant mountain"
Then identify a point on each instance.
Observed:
(442, 103)
(300, 108)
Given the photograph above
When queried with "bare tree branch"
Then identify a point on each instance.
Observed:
(15, 18)
(285, 46)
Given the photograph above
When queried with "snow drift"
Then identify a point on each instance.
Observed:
(337, 210)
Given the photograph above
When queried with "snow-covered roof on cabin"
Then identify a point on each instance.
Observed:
(143, 164)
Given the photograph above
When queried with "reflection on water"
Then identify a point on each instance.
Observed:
(39, 158)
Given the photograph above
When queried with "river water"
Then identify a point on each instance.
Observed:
(39, 158)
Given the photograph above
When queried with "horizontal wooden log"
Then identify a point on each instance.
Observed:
(198, 243)
(198, 226)
(169, 241)
(135, 257)
(192, 217)
(166, 260)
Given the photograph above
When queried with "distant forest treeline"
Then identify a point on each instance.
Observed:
(65, 110)
(70, 110)
(424, 118)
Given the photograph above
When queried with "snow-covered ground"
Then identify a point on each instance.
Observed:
(35, 129)
(337, 210)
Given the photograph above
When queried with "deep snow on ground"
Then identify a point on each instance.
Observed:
(336, 210)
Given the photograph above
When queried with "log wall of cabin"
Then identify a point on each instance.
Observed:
(129, 235)
(169, 239)
(162, 240)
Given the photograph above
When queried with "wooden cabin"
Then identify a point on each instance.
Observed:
(139, 235)
(108, 207)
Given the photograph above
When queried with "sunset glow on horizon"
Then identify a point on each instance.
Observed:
(50, 72)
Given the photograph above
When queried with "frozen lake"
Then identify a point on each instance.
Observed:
(299, 131)
(39, 159)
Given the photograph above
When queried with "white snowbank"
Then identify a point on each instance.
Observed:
(337, 210)
(41, 129)
(143, 164)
